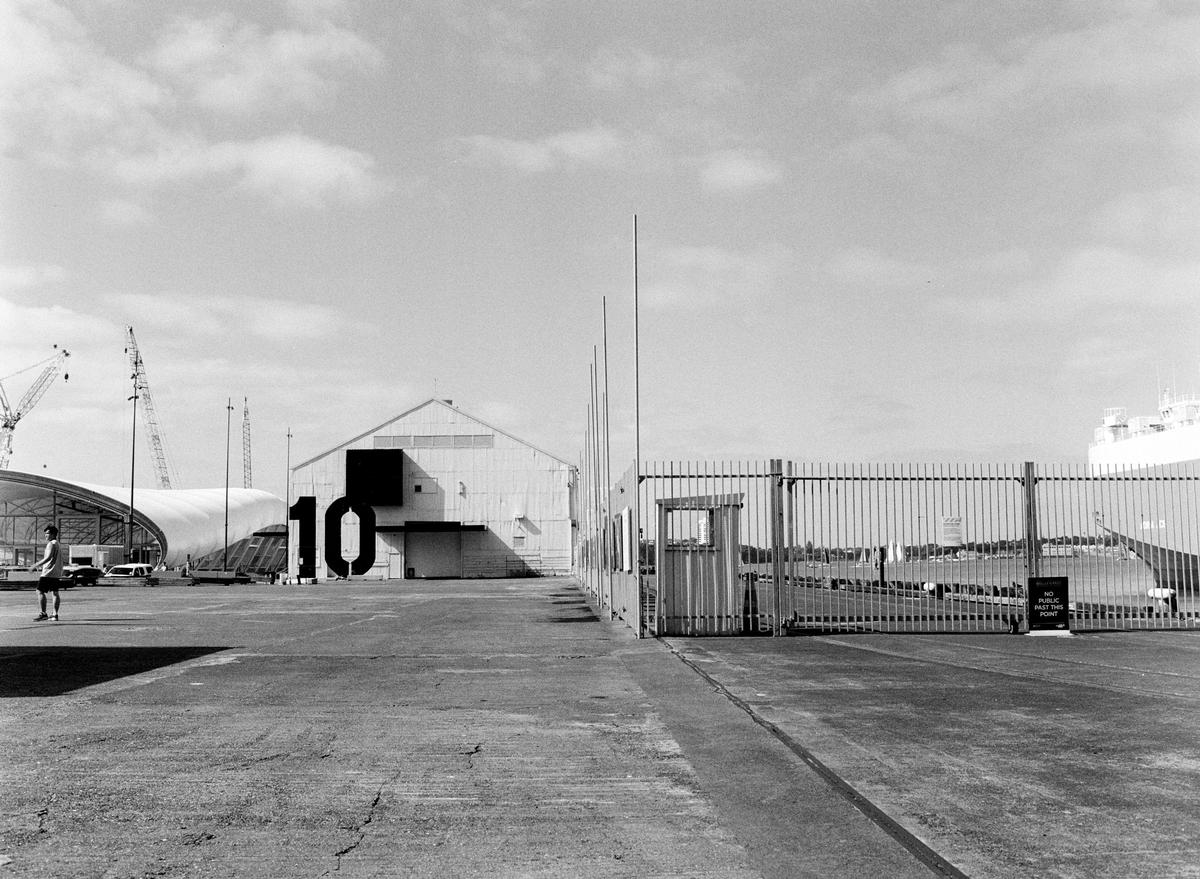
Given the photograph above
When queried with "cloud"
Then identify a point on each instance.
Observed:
(594, 147)
(287, 168)
(733, 171)
(64, 102)
(233, 66)
(530, 157)
(315, 12)
(958, 279)
(714, 277)
(59, 92)
(264, 319)
(122, 212)
(1098, 277)
(298, 169)
(20, 277)
(1136, 65)
(501, 43)
(1164, 218)
(877, 415)
(28, 332)
(869, 268)
(613, 70)
(1094, 288)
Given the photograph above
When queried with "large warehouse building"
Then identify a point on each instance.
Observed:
(433, 492)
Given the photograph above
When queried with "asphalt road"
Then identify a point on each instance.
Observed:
(455, 728)
(499, 728)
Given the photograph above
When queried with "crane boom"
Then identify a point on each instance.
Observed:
(246, 478)
(158, 451)
(10, 415)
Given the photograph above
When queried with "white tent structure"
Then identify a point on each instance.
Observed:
(172, 524)
(192, 520)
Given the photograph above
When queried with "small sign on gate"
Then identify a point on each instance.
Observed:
(952, 531)
(1049, 606)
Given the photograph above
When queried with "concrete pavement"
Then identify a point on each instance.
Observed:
(1009, 755)
(499, 728)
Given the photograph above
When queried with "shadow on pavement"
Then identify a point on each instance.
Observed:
(588, 617)
(53, 671)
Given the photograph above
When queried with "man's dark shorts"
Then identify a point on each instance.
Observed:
(48, 584)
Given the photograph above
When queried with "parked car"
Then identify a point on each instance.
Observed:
(131, 570)
(82, 575)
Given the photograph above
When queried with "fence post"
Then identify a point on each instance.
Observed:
(635, 539)
(786, 604)
(1033, 561)
(777, 542)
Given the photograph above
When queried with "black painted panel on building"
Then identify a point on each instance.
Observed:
(375, 476)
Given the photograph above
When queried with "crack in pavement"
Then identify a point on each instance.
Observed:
(471, 753)
(362, 828)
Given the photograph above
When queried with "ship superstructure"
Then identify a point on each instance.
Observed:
(1173, 436)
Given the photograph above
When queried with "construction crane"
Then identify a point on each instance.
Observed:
(247, 481)
(12, 414)
(149, 414)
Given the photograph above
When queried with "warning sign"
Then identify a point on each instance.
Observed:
(1049, 604)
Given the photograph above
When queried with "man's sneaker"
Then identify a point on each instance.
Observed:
(40, 617)
(54, 618)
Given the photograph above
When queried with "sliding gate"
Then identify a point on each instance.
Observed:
(904, 548)
(779, 547)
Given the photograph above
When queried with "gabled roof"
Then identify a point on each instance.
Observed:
(431, 401)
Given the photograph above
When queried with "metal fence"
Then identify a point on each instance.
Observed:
(774, 547)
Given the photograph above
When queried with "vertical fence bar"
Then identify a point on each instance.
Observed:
(636, 540)
(1189, 524)
(699, 590)
(1102, 561)
(1118, 508)
(1031, 524)
(788, 609)
(1141, 520)
(992, 488)
(1016, 531)
(966, 619)
(777, 543)
(1168, 536)
(888, 532)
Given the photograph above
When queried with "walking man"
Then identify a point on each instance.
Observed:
(52, 568)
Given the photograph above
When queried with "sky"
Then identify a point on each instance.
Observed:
(866, 232)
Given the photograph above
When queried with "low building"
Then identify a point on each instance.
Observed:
(171, 527)
(433, 492)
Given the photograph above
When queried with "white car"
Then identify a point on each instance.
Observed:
(133, 570)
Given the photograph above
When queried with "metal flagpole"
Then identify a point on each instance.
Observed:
(228, 417)
(608, 461)
(593, 490)
(132, 459)
(601, 545)
(637, 439)
(586, 503)
(287, 511)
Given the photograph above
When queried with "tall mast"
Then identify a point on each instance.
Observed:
(247, 480)
(158, 452)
